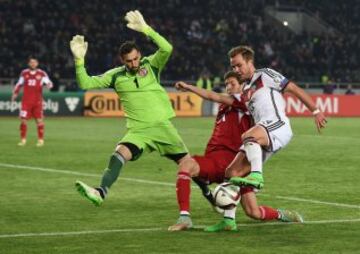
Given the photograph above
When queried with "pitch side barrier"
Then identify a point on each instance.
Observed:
(106, 104)
(54, 104)
(100, 103)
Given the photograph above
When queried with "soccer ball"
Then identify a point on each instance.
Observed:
(227, 195)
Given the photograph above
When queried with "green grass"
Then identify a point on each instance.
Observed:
(313, 168)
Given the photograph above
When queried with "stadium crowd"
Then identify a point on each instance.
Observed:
(202, 31)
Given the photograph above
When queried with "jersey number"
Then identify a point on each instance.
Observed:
(32, 82)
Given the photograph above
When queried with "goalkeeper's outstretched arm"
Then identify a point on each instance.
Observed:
(78, 47)
(136, 22)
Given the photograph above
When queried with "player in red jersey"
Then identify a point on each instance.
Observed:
(231, 122)
(209, 169)
(32, 80)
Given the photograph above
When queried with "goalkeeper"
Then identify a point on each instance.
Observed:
(146, 104)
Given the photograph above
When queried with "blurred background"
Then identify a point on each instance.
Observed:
(315, 43)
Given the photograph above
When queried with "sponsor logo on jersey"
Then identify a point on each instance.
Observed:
(143, 72)
(38, 77)
(72, 102)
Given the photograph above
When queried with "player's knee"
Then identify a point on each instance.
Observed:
(230, 172)
(244, 136)
(253, 213)
(189, 166)
(129, 151)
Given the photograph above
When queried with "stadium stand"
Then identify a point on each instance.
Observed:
(201, 36)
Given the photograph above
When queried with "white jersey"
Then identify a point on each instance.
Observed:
(265, 100)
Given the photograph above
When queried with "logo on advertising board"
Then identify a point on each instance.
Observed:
(72, 102)
(186, 104)
(327, 104)
(331, 105)
(108, 104)
(102, 104)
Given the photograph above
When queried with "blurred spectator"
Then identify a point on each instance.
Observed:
(55, 80)
(349, 90)
(217, 85)
(328, 85)
(202, 38)
(71, 87)
(204, 81)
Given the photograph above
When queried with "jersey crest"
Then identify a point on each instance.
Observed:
(143, 72)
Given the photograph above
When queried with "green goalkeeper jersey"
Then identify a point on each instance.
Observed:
(144, 100)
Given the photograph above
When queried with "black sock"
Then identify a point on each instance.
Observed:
(205, 189)
(101, 191)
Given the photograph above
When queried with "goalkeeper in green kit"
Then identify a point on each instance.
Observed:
(146, 104)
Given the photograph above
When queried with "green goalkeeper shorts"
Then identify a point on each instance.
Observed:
(163, 138)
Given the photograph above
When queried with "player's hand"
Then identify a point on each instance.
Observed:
(49, 85)
(78, 47)
(13, 97)
(136, 21)
(182, 86)
(320, 121)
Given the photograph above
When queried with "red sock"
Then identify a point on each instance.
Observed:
(23, 130)
(183, 191)
(40, 130)
(268, 213)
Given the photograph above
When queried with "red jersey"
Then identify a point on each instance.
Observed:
(32, 81)
(231, 123)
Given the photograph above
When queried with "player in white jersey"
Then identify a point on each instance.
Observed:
(263, 97)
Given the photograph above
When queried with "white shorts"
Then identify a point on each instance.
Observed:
(279, 133)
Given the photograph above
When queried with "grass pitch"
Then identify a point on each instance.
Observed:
(40, 211)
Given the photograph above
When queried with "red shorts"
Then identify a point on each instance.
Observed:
(29, 110)
(213, 165)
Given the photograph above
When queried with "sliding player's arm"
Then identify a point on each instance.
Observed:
(305, 98)
(206, 94)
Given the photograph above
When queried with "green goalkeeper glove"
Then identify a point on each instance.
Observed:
(78, 47)
(136, 22)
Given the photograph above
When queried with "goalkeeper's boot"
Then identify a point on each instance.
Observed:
(290, 216)
(88, 192)
(183, 223)
(40, 143)
(22, 142)
(224, 225)
(254, 179)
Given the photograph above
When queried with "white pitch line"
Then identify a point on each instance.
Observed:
(94, 232)
(68, 172)
(87, 232)
(318, 202)
(50, 170)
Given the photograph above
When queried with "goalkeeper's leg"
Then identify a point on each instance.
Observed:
(116, 162)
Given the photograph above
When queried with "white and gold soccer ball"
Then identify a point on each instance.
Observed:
(227, 195)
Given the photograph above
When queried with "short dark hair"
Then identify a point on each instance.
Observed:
(32, 57)
(246, 52)
(127, 47)
(233, 74)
